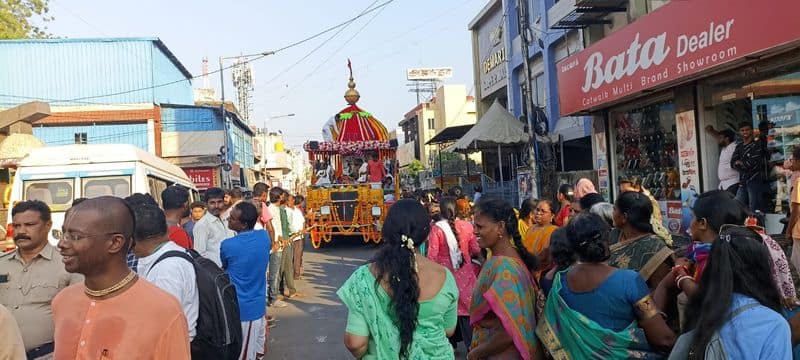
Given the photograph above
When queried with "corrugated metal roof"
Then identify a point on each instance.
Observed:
(91, 71)
(160, 44)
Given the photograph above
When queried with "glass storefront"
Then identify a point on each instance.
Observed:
(644, 147)
(767, 96)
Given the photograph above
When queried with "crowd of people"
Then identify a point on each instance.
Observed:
(140, 278)
(574, 277)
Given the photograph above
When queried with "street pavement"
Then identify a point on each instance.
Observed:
(312, 327)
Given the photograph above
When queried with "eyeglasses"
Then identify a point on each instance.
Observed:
(71, 236)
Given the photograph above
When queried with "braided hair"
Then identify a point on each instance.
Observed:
(500, 210)
(407, 222)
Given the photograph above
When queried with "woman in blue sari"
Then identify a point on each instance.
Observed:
(595, 311)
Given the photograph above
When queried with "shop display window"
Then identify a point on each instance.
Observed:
(645, 148)
(771, 102)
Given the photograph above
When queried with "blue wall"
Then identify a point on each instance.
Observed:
(204, 118)
(133, 134)
(89, 71)
(194, 118)
(537, 9)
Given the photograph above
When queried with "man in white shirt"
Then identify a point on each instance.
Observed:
(728, 176)
(174, 275)
(210, 230)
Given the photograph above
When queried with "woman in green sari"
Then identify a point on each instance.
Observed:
(401, 305)
(595, 311)
(634, 245)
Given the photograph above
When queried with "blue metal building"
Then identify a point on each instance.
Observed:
(191, 137)
(92, 71)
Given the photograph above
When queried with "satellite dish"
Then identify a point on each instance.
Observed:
(226, 166)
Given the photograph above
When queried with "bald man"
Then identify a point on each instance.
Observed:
(112, 313)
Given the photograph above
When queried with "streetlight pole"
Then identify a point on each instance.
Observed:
(226, 176)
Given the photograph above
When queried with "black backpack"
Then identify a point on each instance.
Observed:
(219, 330)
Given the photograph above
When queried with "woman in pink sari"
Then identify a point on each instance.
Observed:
(453, 244)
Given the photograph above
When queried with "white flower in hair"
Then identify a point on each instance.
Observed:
(407, 242)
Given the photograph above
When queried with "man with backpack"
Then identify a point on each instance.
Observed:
(173, 275)
(205, 293)
(245, 259)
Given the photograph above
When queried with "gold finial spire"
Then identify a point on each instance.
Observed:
(351, 95)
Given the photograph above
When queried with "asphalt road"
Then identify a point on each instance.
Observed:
(312, 327)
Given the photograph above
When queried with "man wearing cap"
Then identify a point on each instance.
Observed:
(728, 176)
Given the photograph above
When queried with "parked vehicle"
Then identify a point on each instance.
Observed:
(58, 175)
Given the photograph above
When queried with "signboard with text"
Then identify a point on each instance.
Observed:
(203, 178)
(679, 39)
(429, 73)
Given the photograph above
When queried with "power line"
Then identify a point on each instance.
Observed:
(331, 55)
(262, 55)
(307, 55)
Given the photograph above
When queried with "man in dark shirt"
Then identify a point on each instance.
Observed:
(748, 159)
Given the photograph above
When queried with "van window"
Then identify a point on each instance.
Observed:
(119, 186)
(156, 187)
(57, 193)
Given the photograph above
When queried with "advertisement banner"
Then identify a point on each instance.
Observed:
(203, 178)
(688, 164)
(523, 186)
(679, 39)
(674, 216)
(601, 159)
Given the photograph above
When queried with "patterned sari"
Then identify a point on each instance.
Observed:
(505, 290)
(568, 334)
(644, 255)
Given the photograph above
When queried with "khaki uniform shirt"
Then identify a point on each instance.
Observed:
(27, 290)
(11, 346)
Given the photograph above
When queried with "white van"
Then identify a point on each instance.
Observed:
(58, 175)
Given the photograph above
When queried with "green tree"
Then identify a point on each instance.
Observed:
(18, 19)
(415, 167)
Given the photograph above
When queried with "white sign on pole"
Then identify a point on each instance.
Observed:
(429, 73)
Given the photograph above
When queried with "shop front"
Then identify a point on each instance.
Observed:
(656, 85)
(203, 177)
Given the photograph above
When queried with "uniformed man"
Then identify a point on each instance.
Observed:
(32, 275)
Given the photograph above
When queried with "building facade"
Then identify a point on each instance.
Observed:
(192, 137)
(654, 85)
(130, 91)
(501, 58)
(451, 106)
(99, 90)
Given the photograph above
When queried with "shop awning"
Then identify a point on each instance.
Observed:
(578, 14)
(449, 134)
(497, 127)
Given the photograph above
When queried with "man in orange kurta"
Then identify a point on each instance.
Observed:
(132, 319)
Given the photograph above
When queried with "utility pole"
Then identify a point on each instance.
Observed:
(524, 31)
(226, 176)
(225, 151)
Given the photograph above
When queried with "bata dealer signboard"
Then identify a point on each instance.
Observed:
(679, 39)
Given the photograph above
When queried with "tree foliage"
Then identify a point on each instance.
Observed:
(20, 19)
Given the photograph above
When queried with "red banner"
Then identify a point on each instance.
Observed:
(203, 178)
(680, 39)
